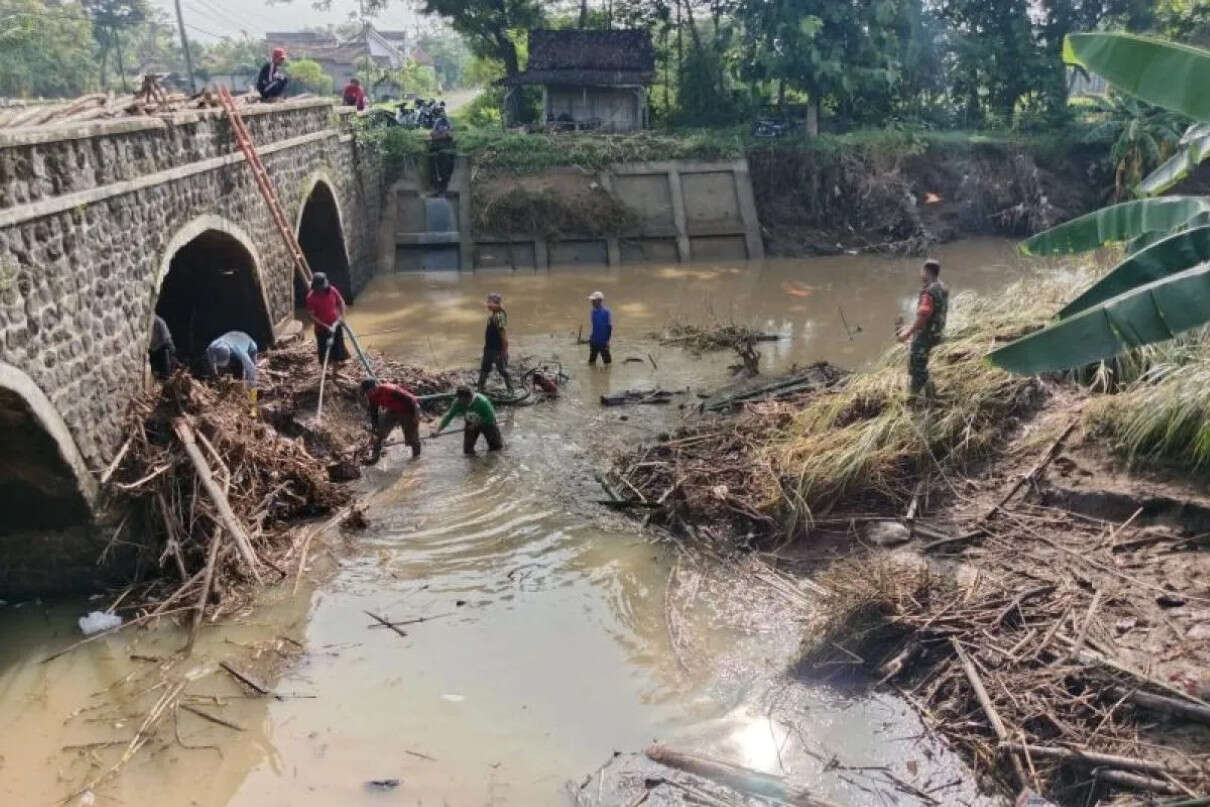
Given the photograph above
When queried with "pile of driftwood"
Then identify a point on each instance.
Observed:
(1069, 664)
(703, 478)
(719, 337)
(206, 490)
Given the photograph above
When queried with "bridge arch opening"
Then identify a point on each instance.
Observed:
(322, 239)
(212, 285)
(44, 483)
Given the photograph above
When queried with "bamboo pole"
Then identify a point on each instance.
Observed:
(226, 514)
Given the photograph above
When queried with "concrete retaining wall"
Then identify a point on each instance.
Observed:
(687, 211)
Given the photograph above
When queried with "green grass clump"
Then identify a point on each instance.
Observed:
(865, 438)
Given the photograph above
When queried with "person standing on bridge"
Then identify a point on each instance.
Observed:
(926, 330)
(441, 151)
(327, 309)
(602, 330)
(400, 408)
(271, 81)
(161, 350)
(495, 343)
(480, 419)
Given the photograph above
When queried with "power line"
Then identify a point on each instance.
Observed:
(205, 9)
(254, 17)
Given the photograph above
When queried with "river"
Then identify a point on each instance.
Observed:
(551, 638)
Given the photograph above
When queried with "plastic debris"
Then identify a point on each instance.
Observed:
(98, 621)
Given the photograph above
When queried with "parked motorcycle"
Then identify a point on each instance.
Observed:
(774, 127)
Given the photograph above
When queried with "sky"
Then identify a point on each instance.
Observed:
(208, 20)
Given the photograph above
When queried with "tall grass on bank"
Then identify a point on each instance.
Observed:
(1162, 417)
(865, 438)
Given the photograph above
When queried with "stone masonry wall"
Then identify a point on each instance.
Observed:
(78, 285)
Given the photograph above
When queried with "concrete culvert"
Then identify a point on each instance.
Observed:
(322, 241)
(212, 287)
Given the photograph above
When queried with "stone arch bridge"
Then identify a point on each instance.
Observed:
(106, 223)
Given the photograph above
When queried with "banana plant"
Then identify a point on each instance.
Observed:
(1163, 286)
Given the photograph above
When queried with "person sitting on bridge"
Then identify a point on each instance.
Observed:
(354, 95)
(161, 350)
(327, 309)
(401, 408)
(271, 82)
(234, 352)
(480, 418)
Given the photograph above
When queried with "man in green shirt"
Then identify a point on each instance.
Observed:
(480, 418)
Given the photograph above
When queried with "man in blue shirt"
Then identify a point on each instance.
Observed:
(602, 330)
(234, 352)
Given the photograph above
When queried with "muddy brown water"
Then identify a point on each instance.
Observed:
(550, 644)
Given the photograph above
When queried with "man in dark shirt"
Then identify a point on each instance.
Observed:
(271, 82)
(495, 342)
(926, 330)
(399, 408)
(161, 349)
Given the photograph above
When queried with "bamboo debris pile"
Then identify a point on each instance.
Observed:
(149, 99)
(719, 337)
(211, 492)
(1062, 673)
(703, 474)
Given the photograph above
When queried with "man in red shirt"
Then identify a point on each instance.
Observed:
(400, 408)
(327, 309)
(354, 95)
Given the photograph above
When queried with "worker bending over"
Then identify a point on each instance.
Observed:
(233, 352)
(480, 418)
(327, 309)
(400, 408)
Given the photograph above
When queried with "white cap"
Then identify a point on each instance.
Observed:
(596, 295)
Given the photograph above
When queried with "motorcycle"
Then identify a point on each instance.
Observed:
(774, 127)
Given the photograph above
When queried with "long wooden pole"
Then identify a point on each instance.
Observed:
(226, 514)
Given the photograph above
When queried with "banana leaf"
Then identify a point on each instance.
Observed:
(1176, 167)
(1163, 73)
(1174, 254)
(1146, 314)
(1120, 222)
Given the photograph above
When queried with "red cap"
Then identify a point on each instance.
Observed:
(279, 53)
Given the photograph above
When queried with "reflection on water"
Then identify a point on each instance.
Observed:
(545, 642)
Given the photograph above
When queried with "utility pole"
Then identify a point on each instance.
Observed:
(180, 21)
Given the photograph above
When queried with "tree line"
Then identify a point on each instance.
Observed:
(945, 63)
(60, 48)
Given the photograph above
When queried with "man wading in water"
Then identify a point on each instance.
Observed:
(495, 342)
(927, 329)
(480, 419)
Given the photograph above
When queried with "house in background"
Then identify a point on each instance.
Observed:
(590, 79)
(344, 58)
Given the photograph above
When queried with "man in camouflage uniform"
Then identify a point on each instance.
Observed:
(925, 332)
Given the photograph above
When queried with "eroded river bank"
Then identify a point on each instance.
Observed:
(555, 633)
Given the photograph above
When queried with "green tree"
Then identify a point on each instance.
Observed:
(111, 19)
(45, 49)
(451, 57)
(308, 76)
(490, 28)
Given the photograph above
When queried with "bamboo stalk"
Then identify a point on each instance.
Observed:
(229, 519)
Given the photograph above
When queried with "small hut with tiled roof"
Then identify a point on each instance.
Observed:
(590, 79)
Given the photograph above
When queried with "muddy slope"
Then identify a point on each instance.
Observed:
(813, 202)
